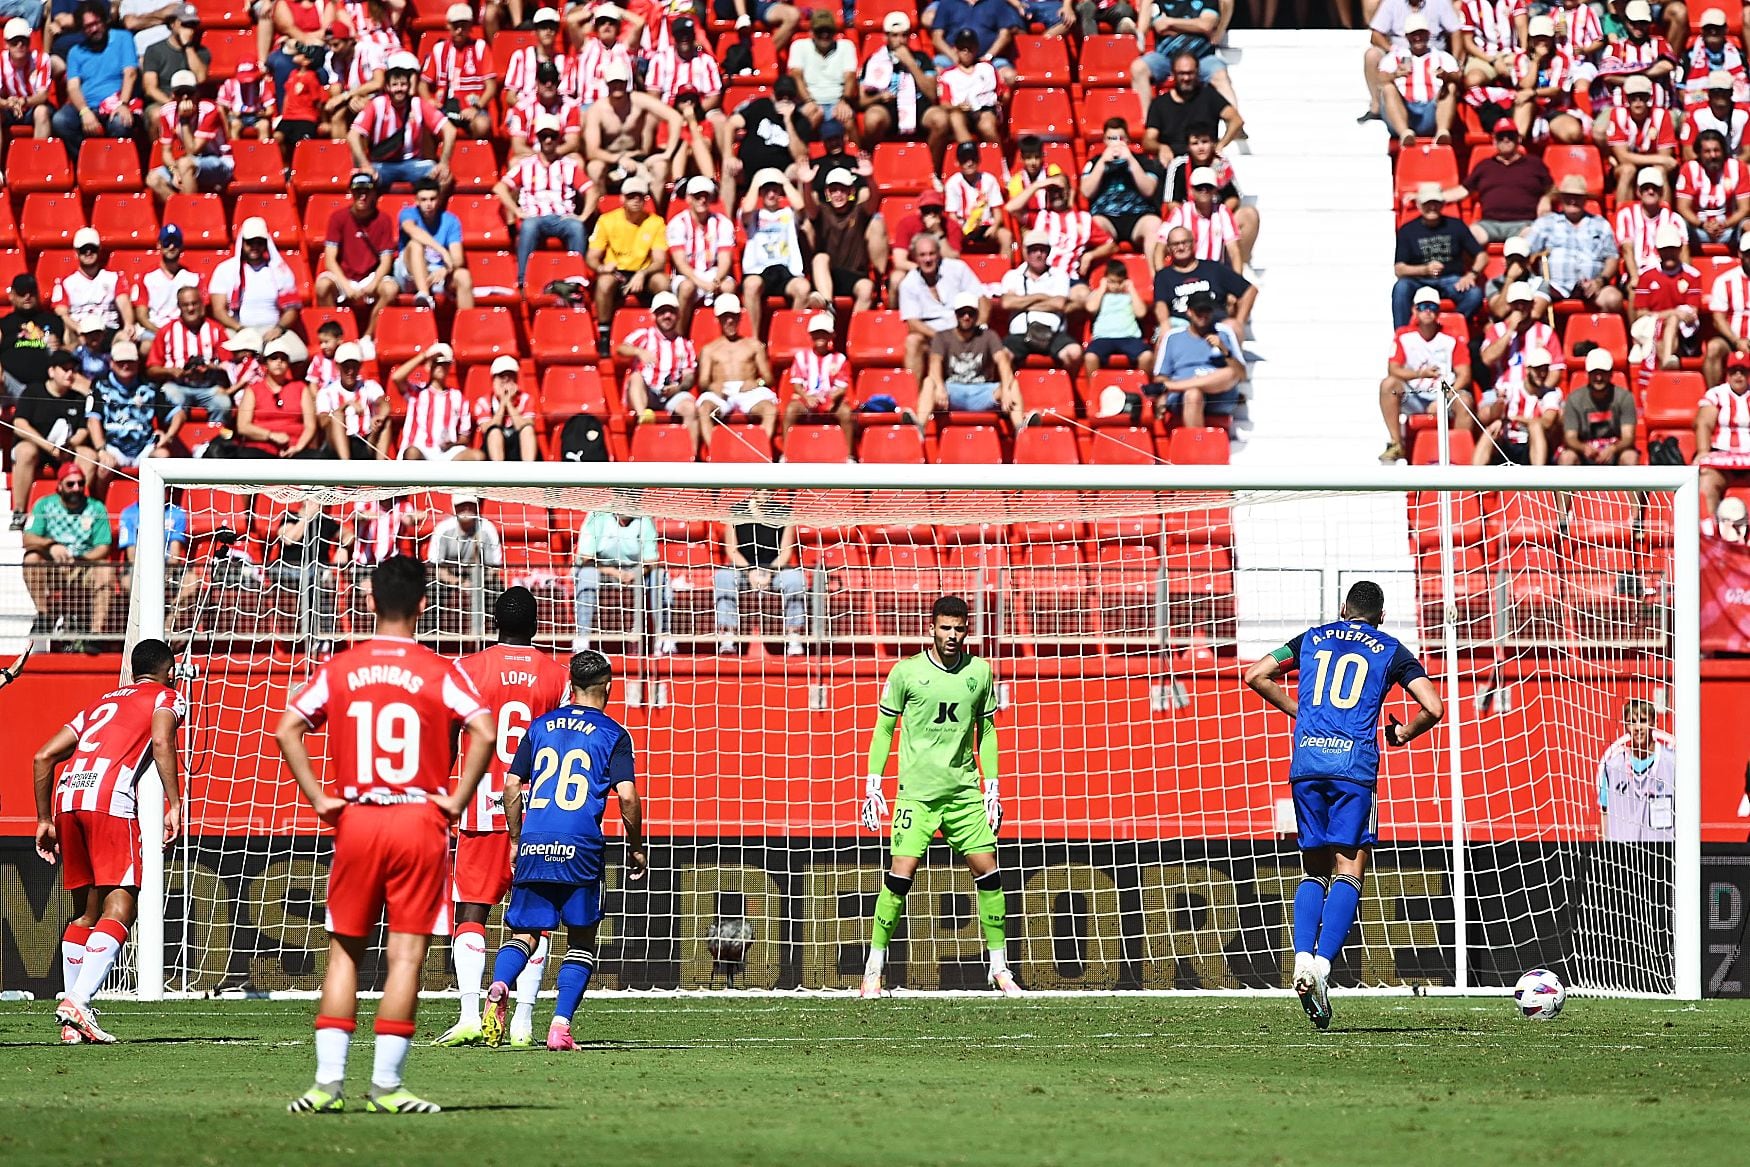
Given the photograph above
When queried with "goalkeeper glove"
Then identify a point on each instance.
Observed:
(993, 806)
(874, 806)
(1392, 726)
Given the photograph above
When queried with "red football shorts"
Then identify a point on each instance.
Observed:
(482, 866)
(394, 857)
(98, 850)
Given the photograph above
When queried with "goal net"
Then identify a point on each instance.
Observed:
(1149, 840)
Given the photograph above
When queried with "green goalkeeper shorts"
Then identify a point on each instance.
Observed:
(960, 818)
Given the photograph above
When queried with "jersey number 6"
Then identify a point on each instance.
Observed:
(573, 772)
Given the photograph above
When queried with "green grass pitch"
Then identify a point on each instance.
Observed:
(816, 1081)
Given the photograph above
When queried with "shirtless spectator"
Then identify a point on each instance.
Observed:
(619, 135)
(665, 367)
(735, 377)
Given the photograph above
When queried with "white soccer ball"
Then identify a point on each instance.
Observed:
(1539, 995)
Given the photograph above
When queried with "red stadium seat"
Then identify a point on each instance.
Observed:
(705, 328)
(109, 164)
(876, 338)
(1205, 446)
(1100, 104)
(1672, 399)
(547, 266)
(259, 167)
(126, 220)
(475, 166)
(901, 168)
(230, 46)
(1581, 160)
(312, 319)
(50, 220)
(1042, 61)
(51, 266)
(662, 443)
(891, 445)
(403, 333)
(816, 445)
(8, 225)
(1045, 112)
(1046, 445)
(494, 275)
(320, 166)
(568, 390)
(202, 219)
(480, 335)
(34, 164)
(1106, 59)
(278, 212)
(1603, 329)
(507, 42)
(1127, 446)
(563, 336)
(898, 384)
(12, 264)
(786, 335)
(870, 13)
(975, 445)
(318, 209)
(225, 14)
(482, 219)
(739, 443)
(1047, 391)
(1425, 162)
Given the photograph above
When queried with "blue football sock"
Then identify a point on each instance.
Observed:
(508, 965)
(1341, 903)
(574, 974)
(1309, 906)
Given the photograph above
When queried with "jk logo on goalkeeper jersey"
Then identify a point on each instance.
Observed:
(947, 711)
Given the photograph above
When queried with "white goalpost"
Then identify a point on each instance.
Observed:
(1149, 839)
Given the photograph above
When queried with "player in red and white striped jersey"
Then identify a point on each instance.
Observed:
(353, 408)
(1638, 223)
(1638, 135)
(701, 251)
(597, 53)
(1211, 224)
(27, 82)
(1722, 432)
(665, 365)
(519, 123)
(518, 682)
(438, 423)
(459, 75)
(1077, 242)
(684, 66)
(549, 48)
(1713, 192)
(820, 381)
(88, 819)
(1424, 357)
(396, 707)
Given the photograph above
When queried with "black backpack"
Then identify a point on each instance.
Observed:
(584, 439)
(1665, 452)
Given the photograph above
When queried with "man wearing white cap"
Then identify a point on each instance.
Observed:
(1721, 114)
(820, 381)
(969, 369)
(894, 85)
(1639, 136)
(701, 251)
(1669, 290)
(547, 101)
(540, 194)
(400, 136)
(771, 259)
(27, 82)
(1436, 251)
(628, 251)
(354, 409)
(458, 75)
(619, 134)
(848, 240)
(1418, 86)
(548, 49)
(664, 371)
(194, 152)
(1635, 50)
(1506, 341)
(1214, 230)
(1598, 418)
(1546, 77)
(1638, 223)
(1386, 35)
(438, 423)
(253, 287)
(505, 415)
(1712, 51)
(1580, 254)
(597, 33)
(1424, 360)
(129, 418)
(1037, 298)
(1520, 416)
(467, 558)
(735, 375)
(89, 289)
(1713, 192)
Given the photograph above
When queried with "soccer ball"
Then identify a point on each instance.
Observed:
(1539, 995)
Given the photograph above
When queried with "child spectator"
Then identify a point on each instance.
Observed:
(971, 93)
(248, 103)
(504, 415)
(1115, 307)
(323, 367)
(302, 106)
(1027, 186)
(975, 200)
(819, 379)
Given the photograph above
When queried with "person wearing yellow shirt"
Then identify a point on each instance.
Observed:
(628, 247)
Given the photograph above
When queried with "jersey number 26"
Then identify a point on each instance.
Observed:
(573, 772)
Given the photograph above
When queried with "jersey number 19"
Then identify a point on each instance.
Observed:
(388, 741)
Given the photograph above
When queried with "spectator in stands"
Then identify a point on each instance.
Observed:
(1418, 88)
(438, 423)
(993, 22)
(505, 415)
(969, 370)
(701, 251)
(771, 259)
(354, 409)
(1518, 416)
(309, 546)
(103, 79)
(253, 287)
(598, 34)
(48, 429)
(466, 556)
(1713, 193)
(926, 294)
(248, 103)
(185, 360)
(521, 72)
(1577, 250)
(665, 366)
(1428, 369)
(90, 289)
(1124, 190)
(129, 418)
(178, 582)
(29, 335)
(849, 241)
(1729, 308)
(1637, 136)
(764, 133)
(825, 69)
(1200, 154)
(1201, 365)
(1506, 341)
(1721, 114)
(401, 137)
(1028, 185)
(1722, 432)
(735, 376)
(540, 194)
(1116, 307)
(150, 303)
(1710, 51)
(1545, 76)
(619, 549)
(1437, 251)
(298, 37)
(780, 17)
(276, 412)
(430, 254)
(930, 218)
(1509, 185)
(898, 90)
(1670, 291)
(974, 199)
(243, 358)
(66, 549)
(1181, 27)
(1213, 229)
(1487, 40)
(1037, 298)
(969, 89)
(358, 252)
(1387, 34)
(194, 154)
(619, 136)
(820, 380)
(547, 99)
(92, 349)
(353, 74)
(627, 250)
(1634, 50)
(459, 76)
(1639, 223)
(303, 106)
(1186, 274)
(1078, 242)
(27, 81)
(321, 369)
(178, 50)
(1598, 418)
(1516, 269)
(760, 558)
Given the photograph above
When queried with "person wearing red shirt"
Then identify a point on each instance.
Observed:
(358, 251)
(194, 147)
(88, 820)
(276, 414)
(930, 218)
(1671, 293)
(459, 75)
(397, 708)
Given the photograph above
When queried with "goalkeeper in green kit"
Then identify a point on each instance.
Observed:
(946, 701)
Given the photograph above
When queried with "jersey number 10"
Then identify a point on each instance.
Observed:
(573, 771)
(1346, 679)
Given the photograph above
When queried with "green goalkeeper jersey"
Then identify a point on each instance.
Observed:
(940, 711)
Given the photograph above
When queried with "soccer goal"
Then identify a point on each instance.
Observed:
(1149, 843)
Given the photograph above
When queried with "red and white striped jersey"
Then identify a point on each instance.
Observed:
(321, 369)
(436, 420)
(547, 188)
(1577, 29)
(1622, 55)
(699, 243)
(367, 59)
(155, 291)
(592, 59)
(458, 71)
(1636, 231)
(355, 405)
(1535, 335)
(1700, 63)
(418, 128)
(1212, 233)
(520, 122)
(1558, 71)
(1521, 404)
(1490, 24)
(519, 74)
(1443, 351)
(381, 37)
(675, 356)
(1732, 431)
(1713, 196)
(1731, 298)
(1071, 233)
(670, 75)
(28, 81)
(176, 345)
(975, 88)
(1424, 81)
(255, 97)
(209, 130)
(1702, 118)
(486, 404)
(819, 379)
(114, 749)
(517, 683)
(961, 198)
(1657, 133)
(83, 295)
(397, 706)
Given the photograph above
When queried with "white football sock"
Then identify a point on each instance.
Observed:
(469, 949)
(999, 960)
(877, 961)
(104, 945)
(72, 957)
(331, 1049)
(391, 1056)
(528, 985)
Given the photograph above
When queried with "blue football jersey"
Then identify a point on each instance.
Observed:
(1346, 670)
(568, 762)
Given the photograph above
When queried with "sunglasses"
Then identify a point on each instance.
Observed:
(1427, 307)
(89, 247)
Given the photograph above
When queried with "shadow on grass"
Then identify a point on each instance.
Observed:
(483, 1106)
(1363, 1029)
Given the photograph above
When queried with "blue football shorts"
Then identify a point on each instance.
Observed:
(542, 907)
(1332, 812)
